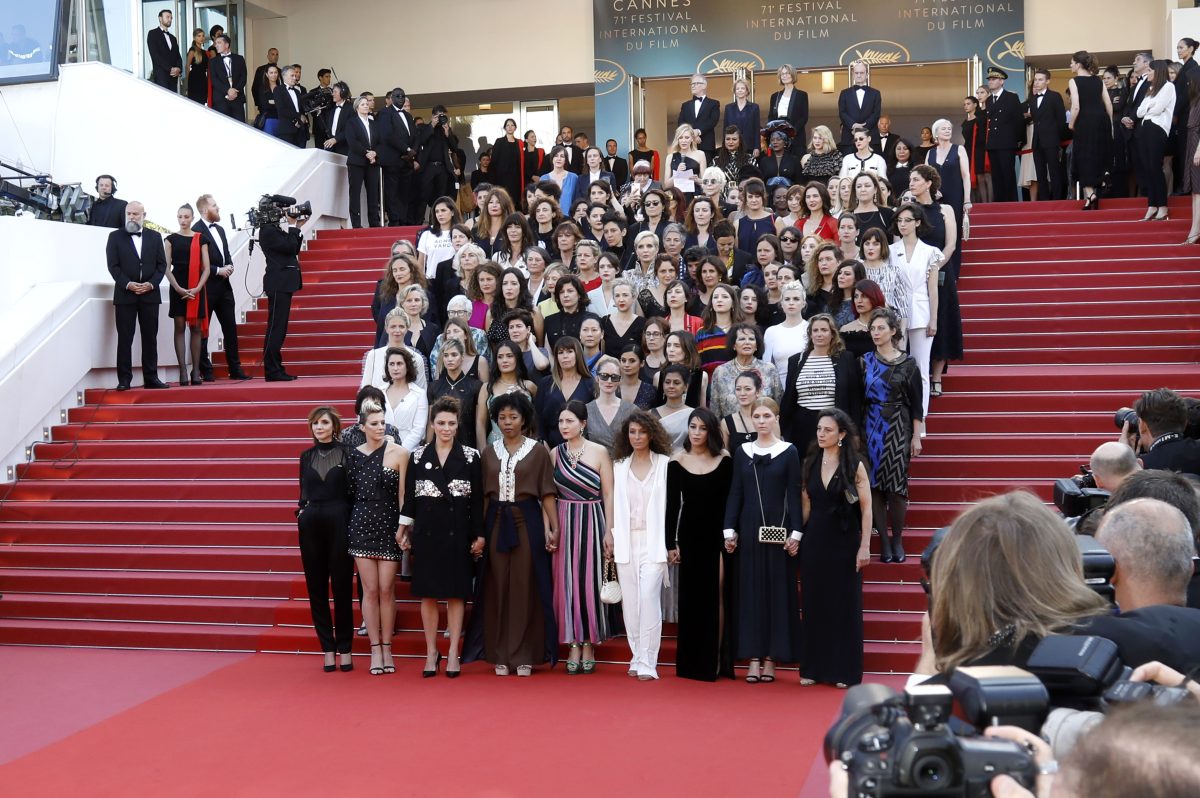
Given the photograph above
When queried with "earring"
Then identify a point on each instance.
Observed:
(839, 443)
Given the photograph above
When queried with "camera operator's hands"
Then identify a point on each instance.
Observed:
(1167, 676)
(839, 780)
(1008, 787)
(1130, 436)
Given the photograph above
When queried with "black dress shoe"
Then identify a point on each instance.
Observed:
(156, 385)
(122, 386)
(279, 378)
(239, 375)
(290, 376)
(208, 376)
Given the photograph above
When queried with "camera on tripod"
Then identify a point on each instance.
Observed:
(273, 207)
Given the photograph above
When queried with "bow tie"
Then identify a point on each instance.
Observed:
(1041, 94)
(760, 459)
(697, 99)
(138, 234)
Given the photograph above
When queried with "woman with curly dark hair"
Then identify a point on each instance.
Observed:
(637, 538)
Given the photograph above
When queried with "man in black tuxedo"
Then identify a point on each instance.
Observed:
(566, 137)
(293, 123)
(859, 108)
(1152, 545)
(227, 75)
(1130, 121)
(334, 118)
(259, 87)
(615, 163)
(887, 141)
(137, 263)
(703, 113)
(220, 291)
(164, 53)
(1006, 135)
(280, 280)
(397, 153)
(1049, 117)
(107, 210)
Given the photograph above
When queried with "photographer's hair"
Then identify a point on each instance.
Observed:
(714, 444)
(1008, 566)
(660, 442)
(410, 365)
(445, 404)
(1167, 486)
(1152, 544)
(1162, 410)
(1113, 460)
(334, 416)
(850, 453)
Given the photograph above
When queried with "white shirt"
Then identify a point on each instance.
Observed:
(785, 101)
(337, 112)
(294, 93)
(220, 242)
(373, 367)
(404, 120)
(437, 248)
(781, 342)
(697, 104)
(1159, 108)
(860, 93)
(366, 123)
(1039, 99)
(409, 416)
(166, 35)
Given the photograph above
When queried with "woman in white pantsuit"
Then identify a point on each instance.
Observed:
(921, 263)
(638, 538)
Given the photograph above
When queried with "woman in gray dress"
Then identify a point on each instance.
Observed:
(608, 409)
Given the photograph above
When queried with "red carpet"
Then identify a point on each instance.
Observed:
(164, 519)
(275, 726)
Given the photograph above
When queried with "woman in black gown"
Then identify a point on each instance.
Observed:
(698, 480)
(321, 517)
(1117, 89)
(442, 524)
(506, 160)
(197, 64)
(835, 548)
(765, 493)
(187, 301)
(1091, 121)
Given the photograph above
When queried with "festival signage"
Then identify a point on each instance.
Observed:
(664, 38)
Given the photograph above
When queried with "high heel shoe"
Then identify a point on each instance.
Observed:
(1149, 215)
(453, 674)
(388, 668)
(1092, 203)
(573, 665)
(429, 674)
(376, 670)
(329, 666)
(1164, 217)
(348, 665)
(1191, 239)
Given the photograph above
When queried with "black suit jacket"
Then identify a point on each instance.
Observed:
(797, 116)
(126, 267)
(289, 118)
(851, 113)
(331, 131)
(1049, 121)
(222, 82)
(619, 168)
(1181, 454)
(847, 393)
(216, 249)
(108, 213)
(705, 122)
(887, 148)
(575, 162)
(1140, 92)
(281, 248)
(1006, 122)
(395, 139)
(1162, 632)
(741, 262)
(163, 58)
(357, 142)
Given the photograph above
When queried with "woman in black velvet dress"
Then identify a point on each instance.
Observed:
(322, 515)
(697, 485)
(833, 552)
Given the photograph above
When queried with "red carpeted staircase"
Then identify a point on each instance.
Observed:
(164, 519)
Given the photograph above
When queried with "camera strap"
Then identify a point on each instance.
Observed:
(1170, 436)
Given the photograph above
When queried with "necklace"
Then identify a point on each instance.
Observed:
(573, 457)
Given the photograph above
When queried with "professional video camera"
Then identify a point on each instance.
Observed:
(1077, 496)
(273, 207)
(316, 100)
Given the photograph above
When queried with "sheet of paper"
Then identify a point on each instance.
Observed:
(684, 180)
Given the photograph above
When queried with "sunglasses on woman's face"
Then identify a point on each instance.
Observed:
(609, 377)
(788, 240)
(653, 204)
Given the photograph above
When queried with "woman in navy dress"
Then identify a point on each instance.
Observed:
(765, 492)
(744, 115)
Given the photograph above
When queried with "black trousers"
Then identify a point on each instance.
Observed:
(279, 308)
(288, 132)
(324, 551)
(165, 80)
(397, 193)
(142, 315)
(435, 182)
(1151, 145)
(233, 110)
(360, 176)
(1004, 175)
(220, 303)
(1051, 174)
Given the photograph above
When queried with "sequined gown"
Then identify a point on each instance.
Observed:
(375, 513)
(580, 556)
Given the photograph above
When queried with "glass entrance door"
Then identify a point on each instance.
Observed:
(540, 116)
(227, 14)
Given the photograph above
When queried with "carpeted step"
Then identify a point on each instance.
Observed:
(240, 559)
(153, 609)
(191, 412)
(1073, 325)
(153, 583)
(143, 490)
(124, 634)
(83, 533)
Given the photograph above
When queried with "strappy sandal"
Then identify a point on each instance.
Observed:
(388, 668)
(753, 675)
(768, 677)
(573, 667)
(376, 670)
(935, 387)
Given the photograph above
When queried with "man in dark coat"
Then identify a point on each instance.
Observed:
(1006, 135)
(1049, 117)
(137, 262)
(280, 280)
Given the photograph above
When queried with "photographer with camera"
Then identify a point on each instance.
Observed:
(1082, 498)
(436, 163)
(1160, 417)
(280, 280)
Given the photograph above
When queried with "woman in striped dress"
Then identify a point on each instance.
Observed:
(583, 475)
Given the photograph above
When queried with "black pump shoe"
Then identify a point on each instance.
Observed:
(436, 664)
(898, 554)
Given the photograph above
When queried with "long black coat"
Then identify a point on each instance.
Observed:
(444, 504)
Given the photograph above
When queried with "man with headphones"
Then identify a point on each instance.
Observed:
(107, 210)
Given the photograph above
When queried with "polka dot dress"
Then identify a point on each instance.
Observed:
(374, 490)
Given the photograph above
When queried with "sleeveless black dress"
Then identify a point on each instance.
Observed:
(1092, 142)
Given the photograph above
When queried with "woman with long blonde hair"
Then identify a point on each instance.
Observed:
(685, 156)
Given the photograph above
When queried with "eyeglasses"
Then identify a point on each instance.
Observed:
(653, 204)
(458, 313)
(905, 220)
(789, 240)
(609, 377)
(652, 334)
(709, 180)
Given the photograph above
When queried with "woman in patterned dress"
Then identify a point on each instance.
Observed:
(377, 469)
(894, 419)
(583, 475)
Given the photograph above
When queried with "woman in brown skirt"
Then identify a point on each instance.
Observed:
(513, 626)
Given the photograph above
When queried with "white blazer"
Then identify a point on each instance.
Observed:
(925, 257)
(656, 513)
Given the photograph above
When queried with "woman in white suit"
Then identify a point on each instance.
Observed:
(638, 538)
(920, 262)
